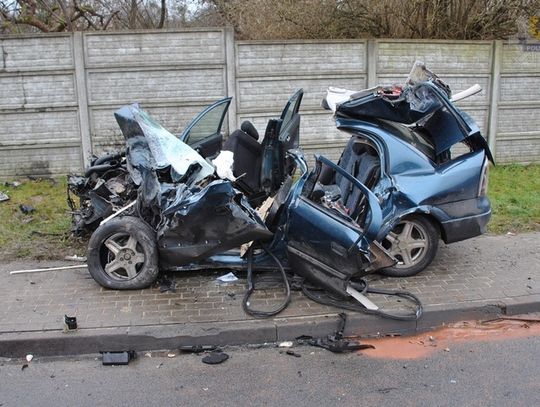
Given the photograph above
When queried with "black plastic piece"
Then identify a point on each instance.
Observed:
(215, 358)
(71, 322)
(27, 209)
(197, 348)
(117, 357)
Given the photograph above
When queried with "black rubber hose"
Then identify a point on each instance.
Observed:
(251, 288)
(326, 299)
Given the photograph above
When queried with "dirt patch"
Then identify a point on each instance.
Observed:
(442, 340)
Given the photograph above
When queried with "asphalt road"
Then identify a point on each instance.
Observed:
(467, 373)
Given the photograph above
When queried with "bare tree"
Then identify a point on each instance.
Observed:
(54, 15)
(280, 19)
(452, 19)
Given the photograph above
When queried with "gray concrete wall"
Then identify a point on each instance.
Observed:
(58, 92)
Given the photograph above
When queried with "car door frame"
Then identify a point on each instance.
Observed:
(209, 146)
(325, 247)
(288, 129)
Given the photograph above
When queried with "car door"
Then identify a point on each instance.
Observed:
(290, 121)
(203, 134)
(328, 247)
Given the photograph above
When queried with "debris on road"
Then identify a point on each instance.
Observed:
(117, 357)
(336, 343)
(293, 353)
(215, 358)
(197, 348)
(70, 323)
(29, 357)
(286, 344)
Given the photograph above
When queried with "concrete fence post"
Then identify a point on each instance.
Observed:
(371, 65)
(496, 63)
(82, 98)
(230, 68)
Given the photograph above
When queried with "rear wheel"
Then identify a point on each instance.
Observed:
(413, 242)
(122, 254)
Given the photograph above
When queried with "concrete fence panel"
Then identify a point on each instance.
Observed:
(518, 120)
(39, 126)
(58, 92)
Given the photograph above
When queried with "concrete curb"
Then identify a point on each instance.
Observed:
(157, 337)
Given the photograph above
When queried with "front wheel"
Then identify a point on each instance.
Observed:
(413, 242)
(122, 254)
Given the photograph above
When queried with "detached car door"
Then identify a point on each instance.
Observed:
(203, 134)
(328, 247)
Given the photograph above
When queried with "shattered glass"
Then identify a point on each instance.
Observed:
(165, 148)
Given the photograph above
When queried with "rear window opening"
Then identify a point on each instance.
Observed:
(420, 138)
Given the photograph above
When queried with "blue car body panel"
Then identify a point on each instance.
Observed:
(411, 183)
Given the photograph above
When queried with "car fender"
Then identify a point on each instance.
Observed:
(438, 215)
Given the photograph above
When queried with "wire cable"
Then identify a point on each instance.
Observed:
(251, 288)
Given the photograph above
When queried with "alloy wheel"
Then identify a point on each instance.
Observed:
(408, 243)
(125, 257)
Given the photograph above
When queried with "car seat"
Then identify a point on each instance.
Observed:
(247, 155)
(359, 160)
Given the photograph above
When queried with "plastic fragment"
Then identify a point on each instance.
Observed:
(117, 358)
(75, 258)
(27, 209)
(70, 323)
(293, 353)
(286, 344)
(197, 348)
(29, 357)
(215, 358)
(227, 278)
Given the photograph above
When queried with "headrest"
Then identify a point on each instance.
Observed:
(248, 128)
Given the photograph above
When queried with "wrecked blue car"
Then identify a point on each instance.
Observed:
(192, 201)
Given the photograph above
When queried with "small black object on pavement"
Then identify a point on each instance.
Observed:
(71, 322)
(117, 358)
(215, 358)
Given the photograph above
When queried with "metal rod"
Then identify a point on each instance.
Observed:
(48, 269)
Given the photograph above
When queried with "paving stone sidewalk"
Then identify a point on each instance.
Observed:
(485, 270)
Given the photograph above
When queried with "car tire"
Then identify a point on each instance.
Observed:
(122, 254)
(413, 242)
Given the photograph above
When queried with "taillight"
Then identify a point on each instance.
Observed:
(484, 180)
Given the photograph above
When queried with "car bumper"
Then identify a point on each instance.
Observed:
(465, 227)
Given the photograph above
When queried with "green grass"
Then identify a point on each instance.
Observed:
(43, 234)
(514, 191)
